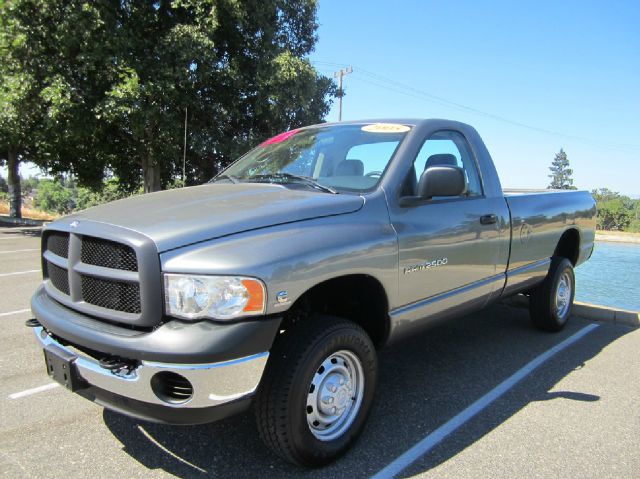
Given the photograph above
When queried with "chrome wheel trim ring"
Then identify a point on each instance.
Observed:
(335, 395)
(563, 295)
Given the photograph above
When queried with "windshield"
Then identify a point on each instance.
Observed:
(326, 158)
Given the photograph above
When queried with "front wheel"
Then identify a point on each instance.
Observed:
(317, 390)
(551, 302)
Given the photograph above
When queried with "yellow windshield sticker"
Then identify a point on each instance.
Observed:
(386, 128)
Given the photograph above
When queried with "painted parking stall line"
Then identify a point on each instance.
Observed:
(18, 238)
(11, 313)
(2, 275)
(436, 437)
(20, 251)
(32, 391)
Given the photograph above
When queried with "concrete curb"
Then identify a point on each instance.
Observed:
(7, 221)
(592, 312)
(595, 312)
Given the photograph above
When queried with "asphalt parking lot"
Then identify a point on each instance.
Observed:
(576, 415)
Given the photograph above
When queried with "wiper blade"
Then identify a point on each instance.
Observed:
(305, 180)
(231, 178)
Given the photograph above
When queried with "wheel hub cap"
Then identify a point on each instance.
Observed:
(563, 295)
(335, 395)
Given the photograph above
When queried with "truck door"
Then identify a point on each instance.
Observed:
(448, 246)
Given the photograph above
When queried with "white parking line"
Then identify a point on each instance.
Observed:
(18, 238)
(2, 275)
(19, 250)
(18, 311)
(436, 437)
(37, 390)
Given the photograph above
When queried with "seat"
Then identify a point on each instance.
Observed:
(349, 168)
(410, 186)
(441, 159)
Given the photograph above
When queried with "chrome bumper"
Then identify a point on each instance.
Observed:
(213, 384)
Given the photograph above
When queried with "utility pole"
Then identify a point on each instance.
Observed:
(339, 75)
(184, 151)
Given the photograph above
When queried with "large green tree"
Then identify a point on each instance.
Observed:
(561, 173)
(117, 78)
(20, 109)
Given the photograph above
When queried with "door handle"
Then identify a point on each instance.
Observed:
(488, 219)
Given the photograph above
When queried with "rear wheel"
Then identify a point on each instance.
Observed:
(317, 390)
(551, 302)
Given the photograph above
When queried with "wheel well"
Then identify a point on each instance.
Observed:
(359, 297)
(569, 246)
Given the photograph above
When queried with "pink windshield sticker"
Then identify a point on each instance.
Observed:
(279, 138)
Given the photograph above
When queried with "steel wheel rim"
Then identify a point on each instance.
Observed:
(335, 395)
(563, 295)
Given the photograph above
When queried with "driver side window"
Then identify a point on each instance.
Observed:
(445, 148)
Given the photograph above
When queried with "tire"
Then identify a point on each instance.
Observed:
(551, 302)
(306, 362)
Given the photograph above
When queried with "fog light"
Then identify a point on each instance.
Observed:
(171, 387)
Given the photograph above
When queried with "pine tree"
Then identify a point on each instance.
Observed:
(561, 173)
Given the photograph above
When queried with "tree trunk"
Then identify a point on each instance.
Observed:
(151, 175)
(15, 196)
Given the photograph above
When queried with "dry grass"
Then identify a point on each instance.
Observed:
(618, 236)
(28, 213)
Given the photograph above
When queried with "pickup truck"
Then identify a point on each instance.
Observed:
(274, 284)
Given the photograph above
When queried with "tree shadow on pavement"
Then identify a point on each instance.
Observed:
(423, 382)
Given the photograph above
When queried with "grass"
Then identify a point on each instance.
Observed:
(28, 213)
(618, 236)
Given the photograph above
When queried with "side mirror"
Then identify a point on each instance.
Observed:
(442, 181)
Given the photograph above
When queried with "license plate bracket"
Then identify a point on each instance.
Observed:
(61, 367)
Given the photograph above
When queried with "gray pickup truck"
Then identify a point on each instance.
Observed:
(274, 284)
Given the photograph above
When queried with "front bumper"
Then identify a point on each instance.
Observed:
(223, 363)
(173, 342)
(219, 389)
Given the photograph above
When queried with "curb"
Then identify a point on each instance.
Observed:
(7, 221)
(592, 312)
(595, 312)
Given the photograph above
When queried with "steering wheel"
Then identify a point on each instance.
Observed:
(374, 173)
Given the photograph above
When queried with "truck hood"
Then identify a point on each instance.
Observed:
(184, 216)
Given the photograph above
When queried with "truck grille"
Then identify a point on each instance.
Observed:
(103, 277)
(58, 243)
(108, 254)
(116, 295)
(59, 277)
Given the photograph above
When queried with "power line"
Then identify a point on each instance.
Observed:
(393, 85)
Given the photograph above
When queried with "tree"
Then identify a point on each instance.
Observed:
(20, 110)
(615, 211)
(54, 196)
(115, 79)
(561, 173)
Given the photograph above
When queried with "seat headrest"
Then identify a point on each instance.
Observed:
(350, 168)
(441, 159)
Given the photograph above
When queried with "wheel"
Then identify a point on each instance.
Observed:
(551, 302)
(317, 390)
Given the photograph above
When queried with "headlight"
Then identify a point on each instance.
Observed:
(218, 297)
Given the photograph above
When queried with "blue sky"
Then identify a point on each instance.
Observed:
(571, 68)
